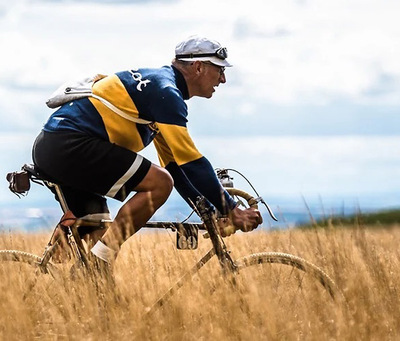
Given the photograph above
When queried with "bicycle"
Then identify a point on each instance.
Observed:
(187, 238)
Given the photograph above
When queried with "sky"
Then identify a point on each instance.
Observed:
(310, 108)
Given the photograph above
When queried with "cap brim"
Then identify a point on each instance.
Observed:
(214, 60)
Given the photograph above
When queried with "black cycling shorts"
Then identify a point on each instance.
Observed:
(88, 168)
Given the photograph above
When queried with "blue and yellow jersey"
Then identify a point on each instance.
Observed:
(155, 95)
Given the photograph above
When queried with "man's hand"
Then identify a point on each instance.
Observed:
(225, 227)
(246, 220)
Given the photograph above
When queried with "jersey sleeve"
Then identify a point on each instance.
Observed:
(195, 174)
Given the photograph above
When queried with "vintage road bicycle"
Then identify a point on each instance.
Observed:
(187, 237)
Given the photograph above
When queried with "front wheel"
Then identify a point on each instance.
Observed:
(286, 277)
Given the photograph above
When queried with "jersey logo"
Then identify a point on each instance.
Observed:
(137, 76)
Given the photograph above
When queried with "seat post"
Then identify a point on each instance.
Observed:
(61, 197)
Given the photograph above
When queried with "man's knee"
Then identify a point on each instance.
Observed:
(157, 179)
(165, 180)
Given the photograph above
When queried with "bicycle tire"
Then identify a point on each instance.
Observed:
(26, 274)
(28, 258)
(295, 262)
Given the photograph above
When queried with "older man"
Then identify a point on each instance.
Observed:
(91, 147)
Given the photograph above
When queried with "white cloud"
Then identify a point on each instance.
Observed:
(320, 51)
(285, 52)
(349, 165)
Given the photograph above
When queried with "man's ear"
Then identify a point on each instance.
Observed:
(198, 66)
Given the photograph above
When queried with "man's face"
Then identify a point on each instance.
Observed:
(210, 77)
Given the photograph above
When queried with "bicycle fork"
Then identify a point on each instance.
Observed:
(208, 218)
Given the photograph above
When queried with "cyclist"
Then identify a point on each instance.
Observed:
(92, 151)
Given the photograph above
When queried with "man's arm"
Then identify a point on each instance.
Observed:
(201, 174)
(182, 184)
(198, 176)
(194, 178)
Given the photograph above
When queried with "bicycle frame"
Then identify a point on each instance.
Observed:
(80, 253)
(206, 214)
(209, 224)
(218, 248)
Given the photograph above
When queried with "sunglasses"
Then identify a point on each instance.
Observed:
(221, 53)
(221, 68)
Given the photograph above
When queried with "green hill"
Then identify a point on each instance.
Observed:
(385, 217)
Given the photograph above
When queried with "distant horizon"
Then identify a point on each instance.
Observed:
(290, 211)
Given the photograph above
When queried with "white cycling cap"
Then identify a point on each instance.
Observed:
(202, 49)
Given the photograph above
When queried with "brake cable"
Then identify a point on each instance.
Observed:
(259, 198)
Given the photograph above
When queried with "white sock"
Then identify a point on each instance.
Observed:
(103, 252)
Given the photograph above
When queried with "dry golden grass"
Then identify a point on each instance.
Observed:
(363, 262)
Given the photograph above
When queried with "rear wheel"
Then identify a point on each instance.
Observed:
(24, 257)
(22, 273)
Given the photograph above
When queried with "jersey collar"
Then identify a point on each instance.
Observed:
(181, 83)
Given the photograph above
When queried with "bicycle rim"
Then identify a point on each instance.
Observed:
(294, 262)
(25, 257)
(22, 272)
(286, 279)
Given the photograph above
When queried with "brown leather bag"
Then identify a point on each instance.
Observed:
(19, 182)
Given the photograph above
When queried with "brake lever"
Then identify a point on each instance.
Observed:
(260, 199)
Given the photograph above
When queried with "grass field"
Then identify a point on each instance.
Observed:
(363, 262)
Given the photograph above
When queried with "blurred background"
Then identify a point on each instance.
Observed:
(309, 113)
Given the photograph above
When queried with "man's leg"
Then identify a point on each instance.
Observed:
(98, 166)
(151, 194)
(90, 207)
